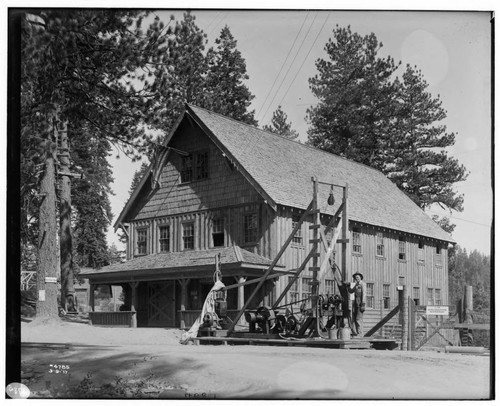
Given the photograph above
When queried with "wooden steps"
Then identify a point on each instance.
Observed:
(357, 343)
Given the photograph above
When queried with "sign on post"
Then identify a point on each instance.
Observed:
(437, 310)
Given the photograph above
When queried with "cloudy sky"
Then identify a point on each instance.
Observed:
(451, 48)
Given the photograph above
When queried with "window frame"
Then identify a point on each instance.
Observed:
(298, 238)
(250, 232)
(438, 297)
(184, 236)
(306, 290)
(402, 248)
(416, 295)
(196, 171)
(139, 243)
(370, 295)
(356, 241)
(379, 242)
(386, 296)
(430, 297)
(293, 292)
(161, 240)
(215, 232)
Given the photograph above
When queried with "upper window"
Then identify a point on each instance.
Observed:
(420, 251)
(430, 296)
(164, 238)
(202, 165)
(218, 232)
(402, 248)
(380, 244)
(142, 241)
(297, 238)
(194, 167)
(250, 227)
(356, 240)
(186, 168)
(188, 236)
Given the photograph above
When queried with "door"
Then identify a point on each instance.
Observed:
(161, 304)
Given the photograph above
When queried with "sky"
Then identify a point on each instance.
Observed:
(451, 48)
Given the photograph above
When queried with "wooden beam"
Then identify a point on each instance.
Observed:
(237, 285)
(275, 261)
(381, 323)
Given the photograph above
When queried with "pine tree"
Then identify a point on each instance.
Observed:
(280, 126)
(418, 163)
(225, 91)
(77, 68)
(356, 99)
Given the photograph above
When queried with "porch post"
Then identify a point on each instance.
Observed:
(184, 283)
(133, 304)
(91, 298)
(241, 291)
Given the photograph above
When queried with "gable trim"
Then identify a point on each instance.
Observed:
(260, 190)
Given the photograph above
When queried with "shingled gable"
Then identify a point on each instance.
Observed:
(283, 169)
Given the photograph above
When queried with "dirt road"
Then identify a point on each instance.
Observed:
(122, 359)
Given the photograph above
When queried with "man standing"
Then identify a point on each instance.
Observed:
(358, 306)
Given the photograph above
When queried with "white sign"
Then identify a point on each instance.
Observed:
(50, 279)
(437, 310)
(41, 295)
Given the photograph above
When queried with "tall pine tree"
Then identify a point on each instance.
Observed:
(355, 99)
(225, 91)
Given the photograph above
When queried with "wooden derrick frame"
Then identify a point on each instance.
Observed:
(314, 253)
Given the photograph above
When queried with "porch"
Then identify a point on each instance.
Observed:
(168, 290)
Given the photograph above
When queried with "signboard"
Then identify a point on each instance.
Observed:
(50, 279)
(437, 310)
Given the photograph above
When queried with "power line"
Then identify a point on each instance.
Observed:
(283, 64)
(310, 49)
(286, 74)
(459, 218)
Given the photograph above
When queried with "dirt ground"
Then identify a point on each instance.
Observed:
(74, 360)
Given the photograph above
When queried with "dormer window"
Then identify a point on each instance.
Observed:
(194, 166)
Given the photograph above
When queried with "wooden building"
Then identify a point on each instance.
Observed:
(228, 189)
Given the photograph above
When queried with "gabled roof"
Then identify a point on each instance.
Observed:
(231, 258)
(283, 168)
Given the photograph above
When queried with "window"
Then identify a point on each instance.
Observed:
(306, 288)
(380, 245)
(437, 297)
(356, 240)
(202, 165)
(250, 227)
(297, 238)
(416, 296)
(186, 168)
(142, 241)
(402, 248)
(430, 296)
(386, 296)
(401, 280)
(329, 289)
(293, 292)
(188, 236)
(420, 251)
(370, 296)
(194, 167)
(164, 239)
(218, 232)
(438, 255)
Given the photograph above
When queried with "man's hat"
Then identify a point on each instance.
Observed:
(357, 273)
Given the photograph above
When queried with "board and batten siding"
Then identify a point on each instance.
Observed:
(423, 270)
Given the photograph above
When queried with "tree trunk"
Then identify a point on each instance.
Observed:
(47, 244)
(66, 244)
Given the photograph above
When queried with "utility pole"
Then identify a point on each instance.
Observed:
(68, 302)
(47, 240)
